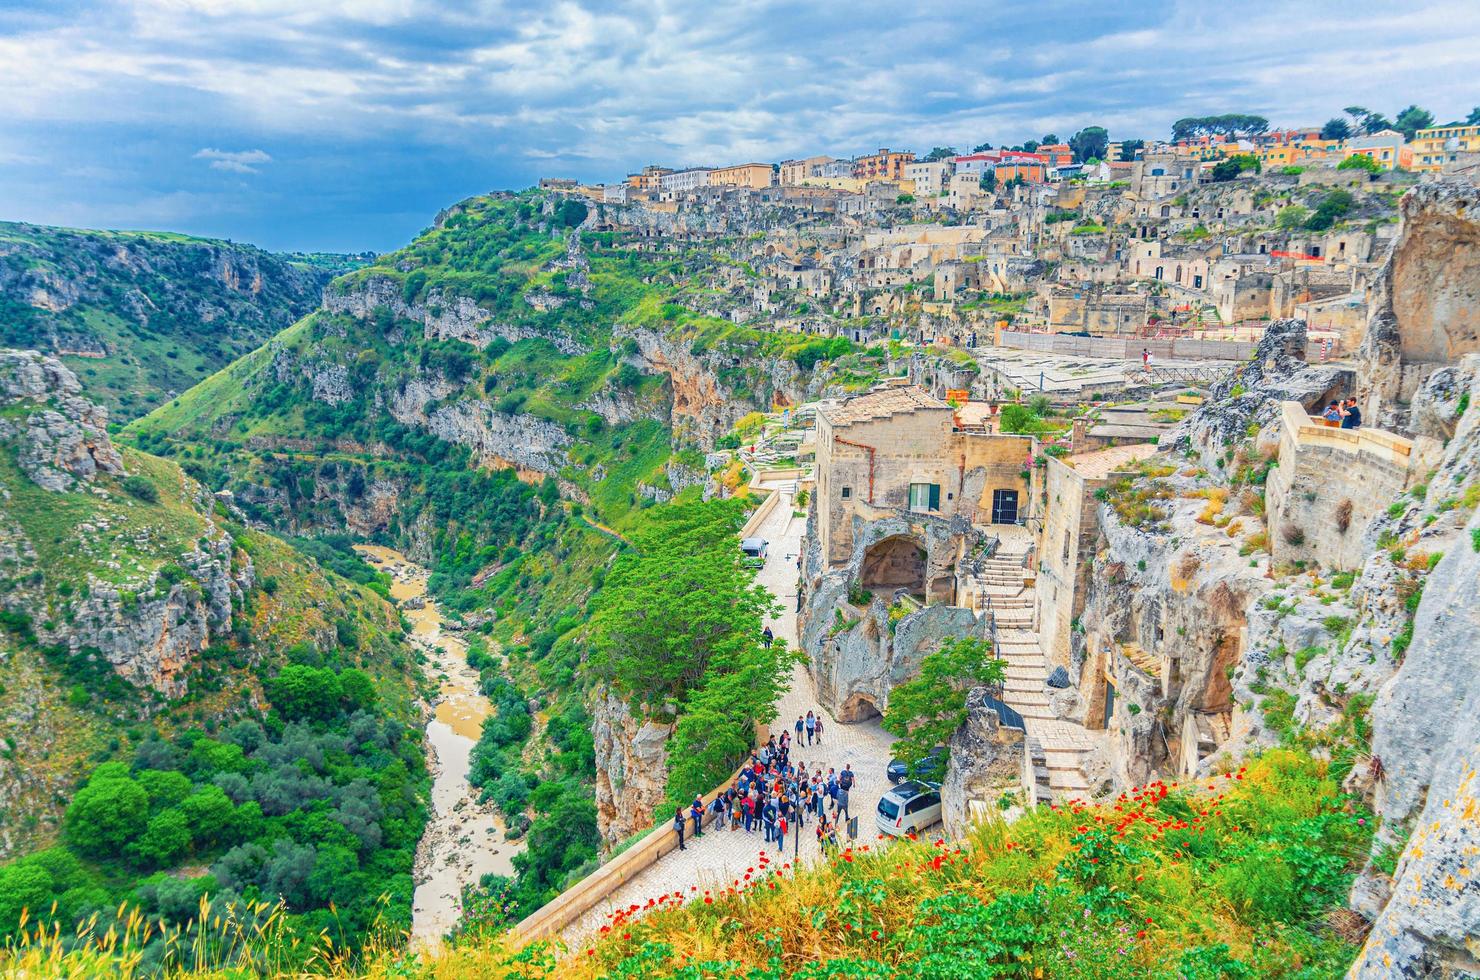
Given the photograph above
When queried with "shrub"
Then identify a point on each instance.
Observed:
(140, 488)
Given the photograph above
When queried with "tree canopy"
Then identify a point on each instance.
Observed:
(926, 711)
(1411, 120)
(1229, 124)
(1336, 129)
(1089, 143)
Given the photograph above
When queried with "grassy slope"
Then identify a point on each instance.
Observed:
(63, 715)
(196, 322)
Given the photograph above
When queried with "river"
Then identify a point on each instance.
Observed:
(464, 839)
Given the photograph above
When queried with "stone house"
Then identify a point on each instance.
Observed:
(897, 452)
(1067, 535)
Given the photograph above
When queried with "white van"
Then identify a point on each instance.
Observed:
(755, 550)
(908, 808)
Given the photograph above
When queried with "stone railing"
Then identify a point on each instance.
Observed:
(552, 917)
(1305, 430)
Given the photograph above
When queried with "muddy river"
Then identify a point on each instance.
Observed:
(464, 839)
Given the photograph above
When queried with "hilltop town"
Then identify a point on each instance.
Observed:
(1107, 509)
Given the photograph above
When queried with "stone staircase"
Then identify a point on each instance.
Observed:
(1000, 580)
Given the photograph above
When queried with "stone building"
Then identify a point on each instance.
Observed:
(1067, 536)
(897, 451)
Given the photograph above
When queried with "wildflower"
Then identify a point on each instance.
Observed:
(874, 935)
(1141, 934)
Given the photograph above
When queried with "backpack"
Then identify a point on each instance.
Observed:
(846, 779)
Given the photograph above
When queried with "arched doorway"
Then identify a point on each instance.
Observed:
(858, 707)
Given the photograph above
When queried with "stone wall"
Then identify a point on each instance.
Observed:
(1328, 487)
(986, 761)
(631, 769)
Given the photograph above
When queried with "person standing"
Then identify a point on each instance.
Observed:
(767, 637)
(781, 834)
(799, 729)
(840, 803)
(678, 827)
(696, 812)
(811, 726)
(1146, 359)
(1332, 414)
(1352, 417)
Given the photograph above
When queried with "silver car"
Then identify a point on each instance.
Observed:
(908, 808)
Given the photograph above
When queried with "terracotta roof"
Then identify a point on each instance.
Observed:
(882, 404)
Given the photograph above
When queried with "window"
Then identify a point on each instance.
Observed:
(1197, 282)
(847, 492)
(924, 497)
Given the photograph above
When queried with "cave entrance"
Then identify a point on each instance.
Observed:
(895, 563)
(859, 707)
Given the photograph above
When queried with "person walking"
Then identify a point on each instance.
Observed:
(678, 827)
(846, 778)
(1146, 359)
(767, 637)
(811, 727)
(799, 729)
(819, 729)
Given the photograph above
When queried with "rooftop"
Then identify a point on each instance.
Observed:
(1101, 463)
(881, 404)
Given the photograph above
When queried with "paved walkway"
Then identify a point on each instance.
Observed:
(721, 858)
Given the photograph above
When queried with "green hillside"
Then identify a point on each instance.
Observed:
(189, 707)
(141, 316)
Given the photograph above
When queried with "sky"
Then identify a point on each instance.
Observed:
(347, 124)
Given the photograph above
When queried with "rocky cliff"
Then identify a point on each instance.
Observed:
(631, 770)
(153, 599)
(1425, 302)
(148, 315)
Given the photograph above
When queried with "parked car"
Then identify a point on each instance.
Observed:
(931, 767)
(755, 550)
(908, 808)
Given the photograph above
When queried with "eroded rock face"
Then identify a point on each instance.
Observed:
(986, 759)
(1249, 398)
(63, 441)
(631, 770)
(444, 317)
(1425, 303)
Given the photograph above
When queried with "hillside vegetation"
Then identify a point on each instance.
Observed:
(189, 708)
(141, 316)
(1240, 876)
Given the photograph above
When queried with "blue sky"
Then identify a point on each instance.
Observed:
(347, 124)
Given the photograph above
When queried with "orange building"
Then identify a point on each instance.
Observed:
(884, 165)
(649, 179)
(755, 175)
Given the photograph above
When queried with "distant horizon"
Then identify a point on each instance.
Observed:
(345, 127)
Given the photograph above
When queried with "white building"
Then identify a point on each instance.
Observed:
(930, 176)
(684, 180)
(614, 193)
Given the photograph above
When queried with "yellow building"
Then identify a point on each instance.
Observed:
(1296, 152)
(755, 175)
(1434, 147)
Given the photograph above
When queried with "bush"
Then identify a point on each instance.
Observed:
(141, 489)
(107, 813)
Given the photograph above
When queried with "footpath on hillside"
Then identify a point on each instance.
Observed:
(721, 858)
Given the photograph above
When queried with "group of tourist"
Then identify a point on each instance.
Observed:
(777, 796)
(1344, 413)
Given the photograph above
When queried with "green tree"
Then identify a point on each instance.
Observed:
(165, 788)
(679, 600)
(1336, 129)
(165, 841)
(1411, 120)
(358, 689)
(208, 813)
(106, 814)
(1128, 148)
(1089, 143)
(941, 153)
(1473, 119)
(1360, 161)
(1291, 216)
(981, 147)
(302, 693)
(1333, 206)
(926, 711)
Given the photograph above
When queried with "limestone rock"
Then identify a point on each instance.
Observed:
(986, 760)
(631, 769)
(63, 441)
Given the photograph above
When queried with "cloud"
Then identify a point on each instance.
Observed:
(432, 99)
(234, 161)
